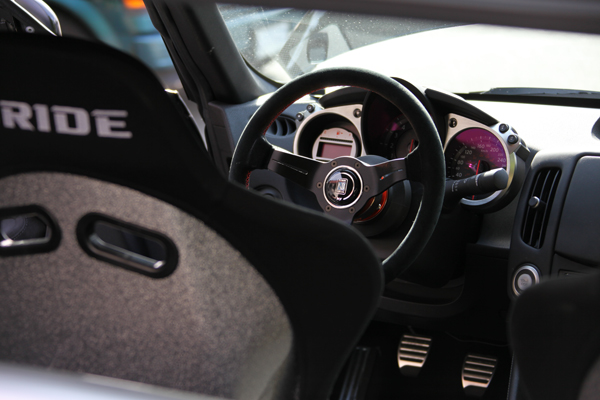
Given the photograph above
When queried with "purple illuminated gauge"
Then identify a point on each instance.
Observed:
(400, 139)
(472, 152)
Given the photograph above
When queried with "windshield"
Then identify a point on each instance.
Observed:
(282, 44)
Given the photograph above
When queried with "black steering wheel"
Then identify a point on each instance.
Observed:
(344, 185)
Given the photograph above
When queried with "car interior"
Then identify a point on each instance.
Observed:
(347, 234)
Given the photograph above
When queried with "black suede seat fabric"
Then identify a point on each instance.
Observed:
(69, 311)
(87, 129)
(555, 333)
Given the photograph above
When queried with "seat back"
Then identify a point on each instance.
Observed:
(555, 336)
(255, 298)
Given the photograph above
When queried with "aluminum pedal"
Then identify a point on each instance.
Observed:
(412, 353)
(477, 373)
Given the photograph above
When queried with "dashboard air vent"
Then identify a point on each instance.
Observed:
(539, 207)
(282, 126)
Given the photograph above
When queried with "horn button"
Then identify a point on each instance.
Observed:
(343, 187)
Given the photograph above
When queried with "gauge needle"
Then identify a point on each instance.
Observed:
(412, 143)
(476, 172)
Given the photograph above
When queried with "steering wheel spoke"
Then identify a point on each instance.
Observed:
(343, 215)
(413, 166)
(301, 170)
(381, 177)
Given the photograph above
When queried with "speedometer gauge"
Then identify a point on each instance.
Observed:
(474, 151)
(472, 148)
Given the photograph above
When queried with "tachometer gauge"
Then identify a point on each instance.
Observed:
(400, 138)
(474, 151)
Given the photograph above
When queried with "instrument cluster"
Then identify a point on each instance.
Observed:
(471, 148)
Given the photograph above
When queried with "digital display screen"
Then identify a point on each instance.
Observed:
(331, 150)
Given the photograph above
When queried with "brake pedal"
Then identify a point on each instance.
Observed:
(477, 373)
(412, 353)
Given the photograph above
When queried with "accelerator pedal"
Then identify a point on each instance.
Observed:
(477, 373)
(412, 353)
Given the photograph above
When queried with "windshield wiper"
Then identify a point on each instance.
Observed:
(566, 97)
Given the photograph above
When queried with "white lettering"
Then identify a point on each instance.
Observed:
(105, 125)
(16, 113)
(67, 120)
(61, 120)
(42, 117)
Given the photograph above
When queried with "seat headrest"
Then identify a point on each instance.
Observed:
(81, 107)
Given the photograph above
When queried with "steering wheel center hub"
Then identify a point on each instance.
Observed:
(343, 187)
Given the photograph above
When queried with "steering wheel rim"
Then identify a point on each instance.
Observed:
(427, 163)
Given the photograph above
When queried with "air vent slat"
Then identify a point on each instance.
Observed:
(539, 206)
(537, 217)
(279, 126)
(526, 231)
(550, 197)
(282, 126)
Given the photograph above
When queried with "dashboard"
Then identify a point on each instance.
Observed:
(489, 228)
(485, 161)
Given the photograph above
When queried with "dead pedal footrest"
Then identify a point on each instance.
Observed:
(412, 353)
(477, 373)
